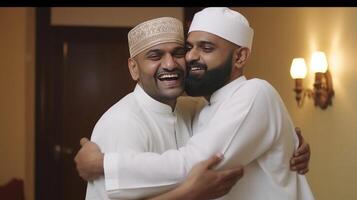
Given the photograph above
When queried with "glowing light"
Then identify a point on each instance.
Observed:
(298, 68)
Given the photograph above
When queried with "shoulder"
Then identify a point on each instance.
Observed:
(267, 90)
(258, 84)
(125, 109)
(266, 96)
(124, 114)
(259, 88)
(255, 93)
(122, 127)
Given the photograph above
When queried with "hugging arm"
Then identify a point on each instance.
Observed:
(242, 129)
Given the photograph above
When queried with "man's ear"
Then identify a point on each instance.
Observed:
(240, 57)
(133, 69)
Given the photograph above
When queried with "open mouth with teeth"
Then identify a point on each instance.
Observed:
(197, 70)
(168, 76)
(194, 68)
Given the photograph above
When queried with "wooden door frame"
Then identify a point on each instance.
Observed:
(41, 116)
(188, 13)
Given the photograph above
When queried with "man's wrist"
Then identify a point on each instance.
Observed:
(181, 192)
(185, 191)
(99, 164)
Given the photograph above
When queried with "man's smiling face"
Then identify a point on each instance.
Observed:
(160, 70)
(209, 63)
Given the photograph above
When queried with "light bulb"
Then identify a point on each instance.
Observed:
(318, 62)
(298, 68)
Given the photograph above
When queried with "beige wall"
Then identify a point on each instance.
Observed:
(284, 33)
(17, 96)
(119, 16)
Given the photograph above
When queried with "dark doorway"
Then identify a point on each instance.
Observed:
(189, 12)
(80, 73)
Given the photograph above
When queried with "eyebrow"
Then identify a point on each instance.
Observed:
(160, 51)
(201, 43)
(154, 51)
(206, 42)
(178, 49)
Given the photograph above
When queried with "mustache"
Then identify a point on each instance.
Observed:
(169, 71)
(195, 64)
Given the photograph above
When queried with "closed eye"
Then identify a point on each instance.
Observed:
(179, 53)
(154, 55)
(208, 49)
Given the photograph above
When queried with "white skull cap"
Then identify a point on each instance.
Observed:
(225, 23)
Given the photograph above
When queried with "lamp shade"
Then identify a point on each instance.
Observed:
(298, 68)
(318, 62)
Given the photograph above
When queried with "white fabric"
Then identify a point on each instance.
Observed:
(248, 122)
(137, 123)
(224, 22)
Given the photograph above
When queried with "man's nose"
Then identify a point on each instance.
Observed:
(168, 62)
(192, 55)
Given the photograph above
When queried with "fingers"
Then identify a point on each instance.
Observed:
(299, 159)
(225, 188)
(213, 160)
(226, 185)
(84, 176)
(230, 183)
(304, 171)
(300, 167)
(83, 141)
(302, 149)
(299, 164)
(235, 173)
(298, 133)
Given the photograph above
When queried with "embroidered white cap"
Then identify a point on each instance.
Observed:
(153, 32)
(225, 23)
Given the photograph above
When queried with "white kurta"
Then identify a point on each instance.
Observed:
(248, 122)
(137, 123)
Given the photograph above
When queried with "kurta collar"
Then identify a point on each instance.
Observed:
(226, 90)
(149, 103)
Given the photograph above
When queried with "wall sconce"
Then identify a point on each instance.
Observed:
(323, 90)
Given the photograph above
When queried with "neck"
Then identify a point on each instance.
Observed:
(171, 103)
(168, 101)
(236, 73)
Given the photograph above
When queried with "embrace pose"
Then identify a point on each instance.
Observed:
(142, 139)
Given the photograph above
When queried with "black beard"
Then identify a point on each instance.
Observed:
(210, 81)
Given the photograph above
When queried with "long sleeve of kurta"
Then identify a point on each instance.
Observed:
(245, 125)
(110, 140)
